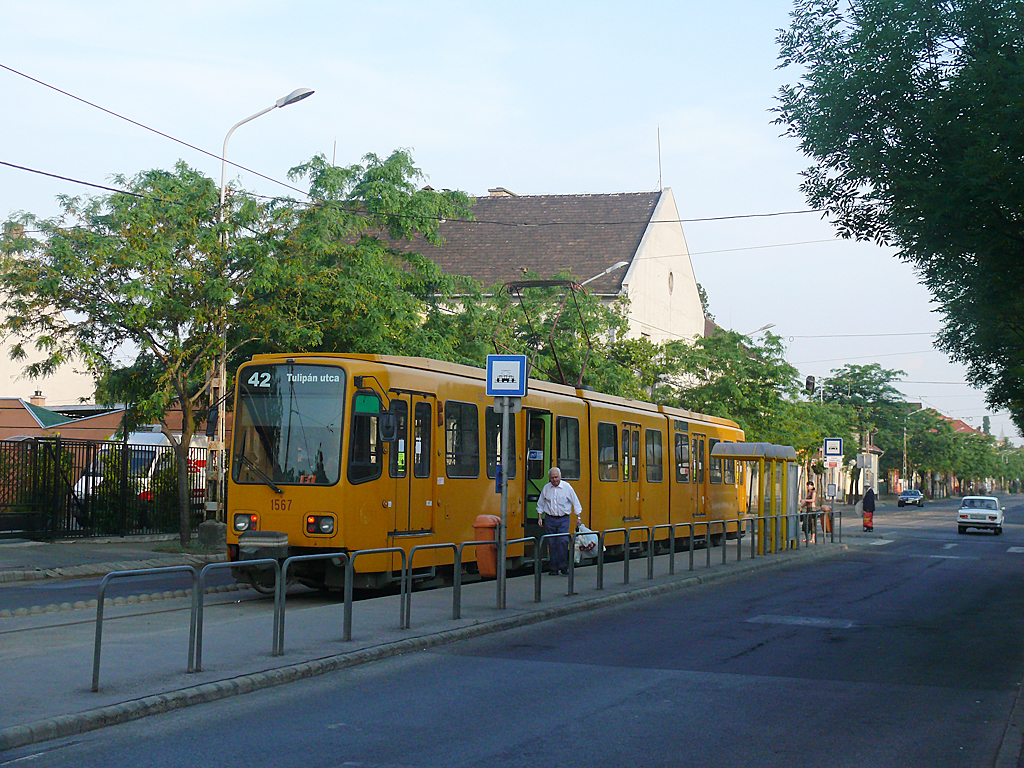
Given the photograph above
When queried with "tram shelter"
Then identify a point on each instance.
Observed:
(773, 495)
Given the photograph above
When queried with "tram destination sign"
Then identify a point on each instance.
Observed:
(506, 375)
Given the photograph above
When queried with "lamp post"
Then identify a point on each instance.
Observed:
(216, 465)
(903, 477)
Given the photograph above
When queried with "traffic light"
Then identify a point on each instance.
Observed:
(809, 385)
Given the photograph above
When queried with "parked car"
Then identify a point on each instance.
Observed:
(910, 496)
(149, 452)
(980, 512)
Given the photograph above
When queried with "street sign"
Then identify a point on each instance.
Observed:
(506, 375)
(833, 447)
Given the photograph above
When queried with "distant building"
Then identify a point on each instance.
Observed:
(585, 235)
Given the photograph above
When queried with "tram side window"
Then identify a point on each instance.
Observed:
(421, 441)
(714, 463)
(730, 470)
(493, 425)
(399, 466)
(682, 458)
(567, 449)
(607, 457)
(655, 470)
(365, 453)
(462, 439)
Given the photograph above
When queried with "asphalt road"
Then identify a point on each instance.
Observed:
(905, 651)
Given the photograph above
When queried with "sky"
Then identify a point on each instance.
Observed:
(537, 97)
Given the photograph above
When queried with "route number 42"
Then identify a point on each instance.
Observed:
(260, 379)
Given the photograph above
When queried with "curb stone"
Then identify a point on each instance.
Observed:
(136, 709)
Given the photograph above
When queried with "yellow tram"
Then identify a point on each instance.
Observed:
(312, 470)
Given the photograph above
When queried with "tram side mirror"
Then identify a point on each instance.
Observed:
(387, 425)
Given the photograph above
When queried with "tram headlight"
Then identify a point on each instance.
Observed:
(244, 521)
(322, 525)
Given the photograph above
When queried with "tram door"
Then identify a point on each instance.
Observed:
(700, 475)
(631, 471)
(538, 462)
(410, 463)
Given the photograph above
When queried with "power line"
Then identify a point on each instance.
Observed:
(862, 335)
(147, 128)
(861, 357)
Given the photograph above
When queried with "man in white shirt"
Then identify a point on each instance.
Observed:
(557, 503)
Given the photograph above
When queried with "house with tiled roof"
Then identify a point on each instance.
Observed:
(30, 418)
(620, 245)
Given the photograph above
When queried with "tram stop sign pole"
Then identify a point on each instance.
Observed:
(506, 383)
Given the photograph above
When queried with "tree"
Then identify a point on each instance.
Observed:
(930, 446)
(876, 408)
(730, 375)
(158, 275)
(139, 273)
(911, 113)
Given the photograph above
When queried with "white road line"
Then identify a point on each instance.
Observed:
(1016, 550)
(803, 621)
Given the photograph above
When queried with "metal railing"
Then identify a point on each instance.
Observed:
(281, 569)
(101, 598)
(198, 632)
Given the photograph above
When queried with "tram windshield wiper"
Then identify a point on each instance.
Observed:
(267, 480)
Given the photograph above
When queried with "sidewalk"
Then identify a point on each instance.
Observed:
(23, 560)
(46, 660)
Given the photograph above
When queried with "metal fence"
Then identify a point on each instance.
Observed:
(53, 487)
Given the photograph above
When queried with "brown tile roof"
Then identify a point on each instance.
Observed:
(583, 234)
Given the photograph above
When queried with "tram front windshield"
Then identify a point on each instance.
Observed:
(288, 425)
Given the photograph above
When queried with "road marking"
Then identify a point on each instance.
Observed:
(880, 542)
(1016, 550)
(948, 546)
(946, 557)
(803, 621)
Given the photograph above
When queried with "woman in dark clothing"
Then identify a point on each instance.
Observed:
(869, 509)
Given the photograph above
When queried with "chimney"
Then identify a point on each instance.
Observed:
(38, 399)
(501, 192)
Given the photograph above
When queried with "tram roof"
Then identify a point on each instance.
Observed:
(753, 451)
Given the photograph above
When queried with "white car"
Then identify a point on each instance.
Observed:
(980, 512)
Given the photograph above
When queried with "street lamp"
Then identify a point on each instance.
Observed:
(762, 328)
(612, 268)
(216, 465)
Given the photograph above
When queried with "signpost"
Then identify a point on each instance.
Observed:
(507, 384)
(833, 451)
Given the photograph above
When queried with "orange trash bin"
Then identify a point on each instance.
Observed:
(486, 557)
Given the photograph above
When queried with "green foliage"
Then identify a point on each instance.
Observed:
(911, 111)
(732, 376)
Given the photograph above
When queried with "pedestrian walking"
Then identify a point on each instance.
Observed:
(556, 505)
(868, 505)
(807, 507)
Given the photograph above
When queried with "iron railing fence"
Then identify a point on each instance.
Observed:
(53, 487)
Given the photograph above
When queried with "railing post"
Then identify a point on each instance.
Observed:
(101, 599)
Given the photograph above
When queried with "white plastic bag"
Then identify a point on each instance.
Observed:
(586, 543)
